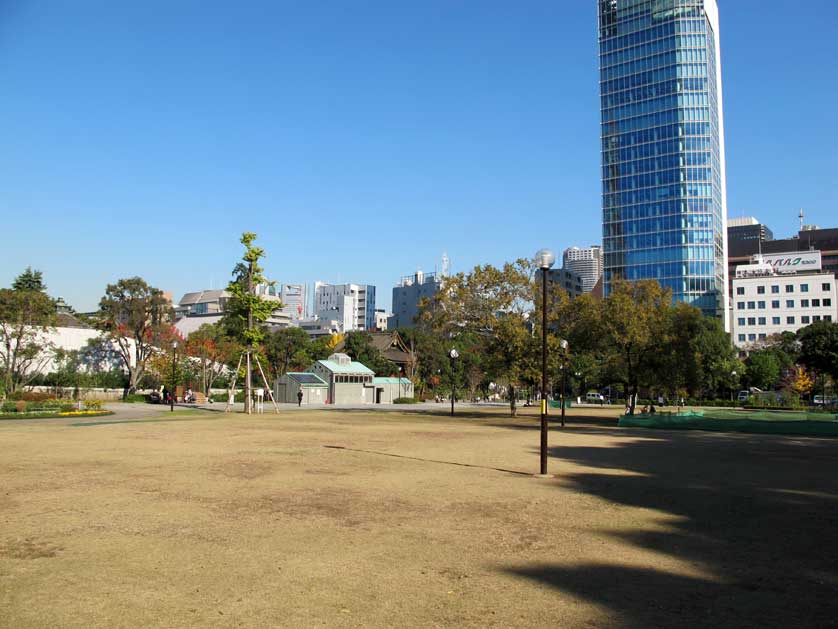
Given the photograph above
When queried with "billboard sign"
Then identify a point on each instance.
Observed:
(794, 262)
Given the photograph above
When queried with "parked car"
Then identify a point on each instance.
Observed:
(746, 393)
(827, 400)
(594, 397)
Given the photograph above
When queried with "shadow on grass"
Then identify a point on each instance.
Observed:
(757, 514)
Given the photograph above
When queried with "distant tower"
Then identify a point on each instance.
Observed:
(800, 216)
(446, 263)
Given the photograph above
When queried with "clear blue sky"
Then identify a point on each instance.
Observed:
(360, 140)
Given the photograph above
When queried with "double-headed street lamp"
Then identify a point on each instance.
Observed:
(544, 260)
(174, 383)
(453, 355)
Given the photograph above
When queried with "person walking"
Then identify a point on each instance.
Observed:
(300, 398)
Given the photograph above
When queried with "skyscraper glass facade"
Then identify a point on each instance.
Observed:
(663, 183)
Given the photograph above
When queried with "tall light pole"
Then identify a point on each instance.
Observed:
(453, 355)
(174, 377)
(400, 381)
(544, 259)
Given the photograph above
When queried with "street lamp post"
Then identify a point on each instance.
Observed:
(453, 355)
(174, 383)
(732, 379)
(544, 259)
(400, 381)
(563, 344)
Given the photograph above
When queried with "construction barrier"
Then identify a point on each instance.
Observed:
(757, 422)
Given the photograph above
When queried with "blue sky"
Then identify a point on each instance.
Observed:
(359, 140)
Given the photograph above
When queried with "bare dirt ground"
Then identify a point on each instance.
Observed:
(411, 520)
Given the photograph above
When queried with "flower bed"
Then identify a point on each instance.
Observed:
(46, 414)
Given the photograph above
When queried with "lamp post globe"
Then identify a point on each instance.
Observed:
(545, 259)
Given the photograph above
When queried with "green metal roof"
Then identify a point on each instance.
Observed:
(391, 381)
(353, 367)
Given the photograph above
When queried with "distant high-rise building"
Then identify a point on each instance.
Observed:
(353, 304)
(294, 300)
(586, 263)
(568, 280)
(663, 157)
(408, 295)
(747, 228)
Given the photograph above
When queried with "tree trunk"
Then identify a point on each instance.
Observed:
(632, 398)
(513, 409)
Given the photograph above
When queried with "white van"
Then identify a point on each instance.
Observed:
(593, 397)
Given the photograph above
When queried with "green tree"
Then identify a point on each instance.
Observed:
(634, 320)
(246, 311)
(26, 315)
(30, 280)
(287, 349)
(134, 317)
(493, 306)
(763, 369)
(819, 347)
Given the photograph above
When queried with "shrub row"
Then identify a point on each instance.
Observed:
(53, 405)
(136, 398)
(222, 397)
(406, 400)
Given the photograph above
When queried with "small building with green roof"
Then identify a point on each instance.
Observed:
(314, 389)
(349, 381)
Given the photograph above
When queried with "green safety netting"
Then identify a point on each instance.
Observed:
(766, 422)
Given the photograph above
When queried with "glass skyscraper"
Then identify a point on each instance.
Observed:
(664, 209)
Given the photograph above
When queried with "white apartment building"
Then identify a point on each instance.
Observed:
(585, 262)
(781, 293)
(353, 304)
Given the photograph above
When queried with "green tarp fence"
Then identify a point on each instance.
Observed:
(760, 422)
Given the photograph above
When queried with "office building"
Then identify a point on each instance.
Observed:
(781, 293)
(317, 328)
(663, 158)
(807, 239)
(586, 262)
(570, 282)
(352, 304)
(294, 299)
(208, 306)
(747, 228)
(408, 295)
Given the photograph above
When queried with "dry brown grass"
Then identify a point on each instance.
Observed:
(254, 522)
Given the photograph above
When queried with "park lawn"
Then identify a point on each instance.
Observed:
(411, 519)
